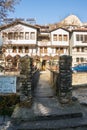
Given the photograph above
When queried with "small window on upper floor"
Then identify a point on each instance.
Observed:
(77, 37)
(32, 35)
(85, 38)
(60, 37)
(65, 37)
(82, 38)
(27, 35)
(10, 35)
(21, 36)
(55, 37)
(16, 35)
(4, 35)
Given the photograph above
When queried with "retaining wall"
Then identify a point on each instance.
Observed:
(77, 79)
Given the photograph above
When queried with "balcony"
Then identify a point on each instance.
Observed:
(44, 43)
(60, 43)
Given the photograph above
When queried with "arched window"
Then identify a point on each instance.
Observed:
(14, 49)
(26, 50)
(20, 50)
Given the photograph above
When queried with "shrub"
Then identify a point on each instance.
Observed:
(7, 103)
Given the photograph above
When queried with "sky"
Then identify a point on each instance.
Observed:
(50, 11)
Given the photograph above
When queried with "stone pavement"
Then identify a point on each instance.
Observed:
(47, 113)
(4, 123)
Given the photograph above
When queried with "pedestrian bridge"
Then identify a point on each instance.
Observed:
(46, 112)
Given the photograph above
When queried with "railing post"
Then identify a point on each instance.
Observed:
(26, 81)
(65, 79)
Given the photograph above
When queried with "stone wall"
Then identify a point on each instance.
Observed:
(79, 78)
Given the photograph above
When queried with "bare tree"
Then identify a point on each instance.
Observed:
(7, 6)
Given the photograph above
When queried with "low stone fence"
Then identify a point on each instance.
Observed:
(12, 73)
(77, 79)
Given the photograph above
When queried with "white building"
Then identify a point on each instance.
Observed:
(19, 39)
(59, 42)
(78, 45)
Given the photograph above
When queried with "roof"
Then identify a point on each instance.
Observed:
(80, 30)
(16, 22)
(59, 28)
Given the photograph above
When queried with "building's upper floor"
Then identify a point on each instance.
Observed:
(23, 33)
(19, 33)
(79, 37)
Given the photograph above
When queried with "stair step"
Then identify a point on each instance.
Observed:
(55, 117)
(58, 117)
(66, 124)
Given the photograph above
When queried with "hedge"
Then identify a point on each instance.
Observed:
(7, 103)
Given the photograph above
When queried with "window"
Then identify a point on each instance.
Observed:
(20, 50)
(78, 49)
(82, 59)
(77, 37)
(32, 35)
(14, 50)
(26, 49)
(4, 35)
(65, 38)
(45, 49)
(60, 37)
(41, 50)
(57, 50)
(61, 50)
(16, 35)
(27, 35)
(77, 59)
(85, 38)
(82, 38)
(55, 37)
(10, 35)
(21, 36)
(82, 49)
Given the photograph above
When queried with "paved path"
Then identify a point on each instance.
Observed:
(45, 101)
